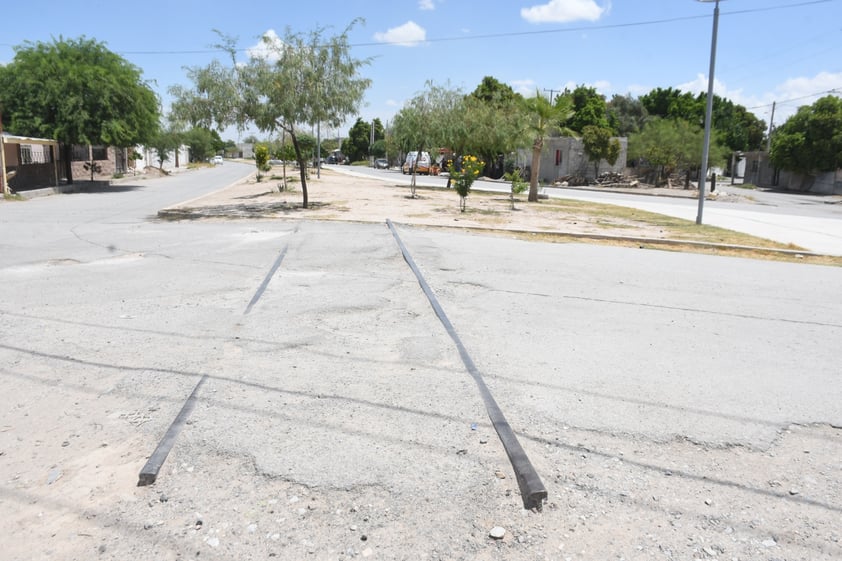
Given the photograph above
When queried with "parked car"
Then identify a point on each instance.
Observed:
(381, 163)
(422, 166)
(217, 160)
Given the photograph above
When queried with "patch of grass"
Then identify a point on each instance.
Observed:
(12, 197)
(671, 227)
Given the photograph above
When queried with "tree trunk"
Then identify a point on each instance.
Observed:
(537, 146)
(68, 165)
(302, 168)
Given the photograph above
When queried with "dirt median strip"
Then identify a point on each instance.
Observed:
(336, 196)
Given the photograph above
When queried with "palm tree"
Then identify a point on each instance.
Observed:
(544, 117)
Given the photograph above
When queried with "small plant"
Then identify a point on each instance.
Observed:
(261, 160)
(519, 185)
(92, 167)
(463, 178)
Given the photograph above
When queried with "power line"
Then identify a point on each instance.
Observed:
(790, 100)
(596, 27)
(511, 34)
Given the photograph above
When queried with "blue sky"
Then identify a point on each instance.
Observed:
(789, 51)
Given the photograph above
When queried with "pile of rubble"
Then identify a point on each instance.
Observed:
(608, 178)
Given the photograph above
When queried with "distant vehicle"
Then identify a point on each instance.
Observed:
(337, 157)
(217, 161)
(422, 166)
(381, 163)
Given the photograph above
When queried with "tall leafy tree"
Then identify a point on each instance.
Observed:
(203, 143)
(303, 80)
(599, 145)
(356, 146)
(626, 114)
(430, 120)
(671, 103)
(811, 140)
(497, 122)
(673, 144)
(491, 90)
(76, 91)
(164, 143)
(738, 129)
(589, 108)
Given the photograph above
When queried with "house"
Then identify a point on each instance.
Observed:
(564, 156)
(110, 160)
(759, 171)
(28, 163)
(149, 158)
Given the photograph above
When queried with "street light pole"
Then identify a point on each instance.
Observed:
(708, 111)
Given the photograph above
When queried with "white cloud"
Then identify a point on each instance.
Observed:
(393, 103)
(426, 5)
(267, 46)
(406, 35)
(563, 11)
(526, 88)
(788, 95)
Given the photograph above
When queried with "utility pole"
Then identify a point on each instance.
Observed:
(370, 143)
(771, 126)
(4, 184)
(551, 92)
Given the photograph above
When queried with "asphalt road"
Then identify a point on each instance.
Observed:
(706, 318)
(340, 377)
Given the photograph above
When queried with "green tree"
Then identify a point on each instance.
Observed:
(588, 106)
(543, 118)
(496, 123)
(672, 103)
(810, 141)
(739, 129)
(378, 149)
(626, 114)
(356, 146)
(203, 143)
(305, 80)
(491, 90)
(600, 145)
(165, 142)
(673, 144)
(230, 147)
(428, 120)
(76, 91)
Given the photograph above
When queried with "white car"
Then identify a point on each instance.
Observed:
(217, 160)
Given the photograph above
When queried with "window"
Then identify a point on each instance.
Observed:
(86, 153)
(100, 152)
(80, 153)
(35, 154)
(558, 157)
(25, 154)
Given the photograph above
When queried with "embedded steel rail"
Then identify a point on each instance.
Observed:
(149, 473)
(532, 490)
(153, 466)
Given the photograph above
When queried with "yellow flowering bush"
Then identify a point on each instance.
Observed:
(470, 169)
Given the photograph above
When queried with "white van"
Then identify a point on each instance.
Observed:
(423, 165)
